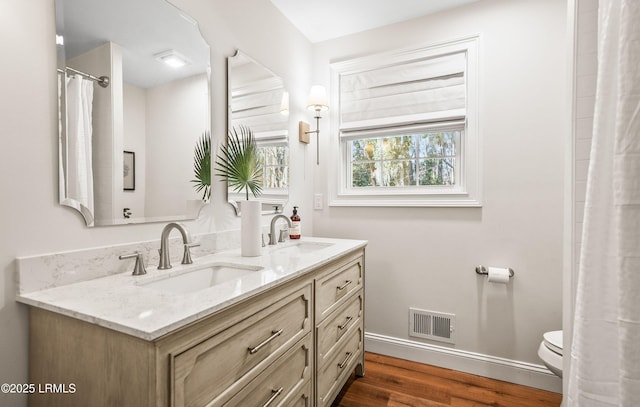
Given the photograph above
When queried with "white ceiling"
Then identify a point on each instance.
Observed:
(142, 28)
(327, 19)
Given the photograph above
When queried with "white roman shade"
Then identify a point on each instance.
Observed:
(424, 90)
(427, 127)
(257, 105)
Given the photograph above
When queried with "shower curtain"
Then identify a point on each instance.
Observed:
(605, 354)
(79, 136)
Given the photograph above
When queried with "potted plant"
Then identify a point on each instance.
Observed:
(202, 166)
(239, 163)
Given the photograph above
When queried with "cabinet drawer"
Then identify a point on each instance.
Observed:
(302, 398)
(332, 376)
(224, 363)
(280, 381)
(332, 290)
(332, 329)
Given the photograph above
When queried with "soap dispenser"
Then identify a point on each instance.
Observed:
(294, 231)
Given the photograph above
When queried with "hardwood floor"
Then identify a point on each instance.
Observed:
(390, 382)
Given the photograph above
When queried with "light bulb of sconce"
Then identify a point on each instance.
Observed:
(318, 99)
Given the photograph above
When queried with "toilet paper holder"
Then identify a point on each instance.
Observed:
(483, 270)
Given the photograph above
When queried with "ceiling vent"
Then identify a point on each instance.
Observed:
(436, 326)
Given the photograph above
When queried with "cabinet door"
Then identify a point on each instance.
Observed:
(280, 381)
(332, 290)
(215, 369)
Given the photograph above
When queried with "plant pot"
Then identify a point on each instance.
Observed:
(250, 229)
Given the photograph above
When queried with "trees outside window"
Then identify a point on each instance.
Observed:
(405, 160)
(275, 172)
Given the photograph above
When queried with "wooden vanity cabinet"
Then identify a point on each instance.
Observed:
(291, 345)
(339, 326)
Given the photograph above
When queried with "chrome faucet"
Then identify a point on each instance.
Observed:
(165, 261)
(272, 230)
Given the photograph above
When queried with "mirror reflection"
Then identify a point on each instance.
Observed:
(128, 151)
(259, 101)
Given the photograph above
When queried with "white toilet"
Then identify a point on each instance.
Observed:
(550, 351)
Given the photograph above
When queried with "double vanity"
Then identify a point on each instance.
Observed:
(282, 329)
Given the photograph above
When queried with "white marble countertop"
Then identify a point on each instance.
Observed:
(123, 303)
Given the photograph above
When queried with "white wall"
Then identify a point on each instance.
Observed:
(176, 118)
(134, 115)
(425, 257)
(31, 220)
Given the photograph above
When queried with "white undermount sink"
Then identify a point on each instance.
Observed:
(301, 247)
(201, 278)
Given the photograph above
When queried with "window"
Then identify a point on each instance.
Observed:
(275, 170)
(425, 158)
(407, 132)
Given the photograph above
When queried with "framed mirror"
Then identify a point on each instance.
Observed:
(134, 105)
(257, 99)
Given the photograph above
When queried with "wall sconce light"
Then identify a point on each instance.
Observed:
(318, 103)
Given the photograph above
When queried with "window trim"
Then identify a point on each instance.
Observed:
(468, 193)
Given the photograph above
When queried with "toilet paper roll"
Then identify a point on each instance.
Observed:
(498, 275)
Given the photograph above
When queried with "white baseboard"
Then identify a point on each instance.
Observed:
(526, 374)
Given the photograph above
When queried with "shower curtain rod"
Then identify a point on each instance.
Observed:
(102, 81)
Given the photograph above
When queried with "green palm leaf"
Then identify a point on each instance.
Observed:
(202, 165)
(238, 162)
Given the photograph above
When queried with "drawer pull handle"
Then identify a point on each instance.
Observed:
(345, 361)
(274, 335)
(346, 323)
(275, 394)
(343, 286)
